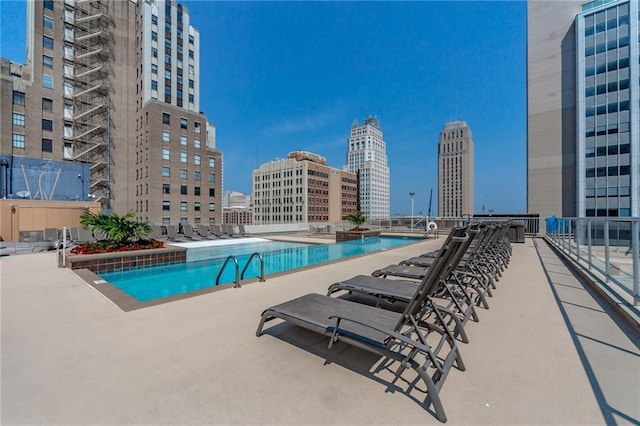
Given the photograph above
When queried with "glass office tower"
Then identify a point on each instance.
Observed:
(607, 109)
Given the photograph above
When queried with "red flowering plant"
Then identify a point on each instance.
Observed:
(120, 232)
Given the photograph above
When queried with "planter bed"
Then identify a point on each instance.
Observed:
(119, 261)
(355, 235)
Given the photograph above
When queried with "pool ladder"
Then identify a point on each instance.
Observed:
(240, 276)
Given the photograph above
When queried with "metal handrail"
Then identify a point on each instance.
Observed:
(261, 277)
(224, 265)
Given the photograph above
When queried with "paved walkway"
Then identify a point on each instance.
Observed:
(544, 353)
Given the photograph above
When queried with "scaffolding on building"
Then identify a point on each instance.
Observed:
(88, 73)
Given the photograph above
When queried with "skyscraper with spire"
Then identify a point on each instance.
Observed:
(367, 156)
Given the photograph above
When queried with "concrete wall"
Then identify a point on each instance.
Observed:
(36, 215)
(551, 107)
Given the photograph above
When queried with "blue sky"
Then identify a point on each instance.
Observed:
(281, 76)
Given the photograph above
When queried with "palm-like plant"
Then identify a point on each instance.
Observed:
(357, 218)
(119, 229)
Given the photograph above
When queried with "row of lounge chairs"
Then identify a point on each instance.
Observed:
(197, 232)
(413, 313)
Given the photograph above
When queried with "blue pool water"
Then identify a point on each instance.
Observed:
(146, 284)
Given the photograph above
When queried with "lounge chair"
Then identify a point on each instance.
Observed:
(205, 232)
(172, 233)
(454, 300)
(402, 337)
(228, 229)
(217, 231)
(189, 234)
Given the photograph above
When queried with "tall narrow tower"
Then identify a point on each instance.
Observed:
(455, 170)
(367, 156)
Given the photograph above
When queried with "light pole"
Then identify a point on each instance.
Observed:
(412, 194)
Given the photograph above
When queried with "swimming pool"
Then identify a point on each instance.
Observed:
(164, 281)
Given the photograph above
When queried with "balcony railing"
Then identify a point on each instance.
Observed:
(606, 247)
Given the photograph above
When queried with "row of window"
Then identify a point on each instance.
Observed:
(604, 67)
(184, 174)
(608, 150)
(608, 108)
(166, 155)
(184, 189)
(611, 129)
(609, 45)
(612, 191)
(607, 171)
(608, 212)
(184, 123)
(166, 206)
(606, 88)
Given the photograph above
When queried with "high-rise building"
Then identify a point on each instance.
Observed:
(107, 108)
(302, 189)
(582, 108)
(367, 157)
(455, 170)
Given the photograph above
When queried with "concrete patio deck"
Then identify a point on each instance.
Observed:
(546, 352)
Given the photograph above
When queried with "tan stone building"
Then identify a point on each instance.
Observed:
(107, 109)
(302, 189)
(455, 170)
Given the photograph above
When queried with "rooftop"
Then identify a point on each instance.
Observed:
(548, 351)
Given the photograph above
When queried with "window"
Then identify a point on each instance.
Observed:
(18, 98)
(166, 171)
(47, 125)
(196, 190)
(183, 157)
(191, 84)
(212, 161)
(192, 70)
(47, 61)
(154, 52)
(196, 176)
(183, 174)
(212, 207)
(166, 118)
(154, 85)
(167, 59)
(191, 54)
(166, 136)
(48, 5)
(183, 140)
(183, 123)
(18, 119)
(67, 151)
(47, 104)
(196, 127)
(212, 177)
(183, 206)
(47, 145)
(191, 99)
(190, 39)
(212, 192)
(47, 42)
(167, 74)
(196, 143)
(183, 189)
(154, 19)
(166, 205)
(196, 159)
(154, 69)
(154, 36)
(196, 206)
(47, 22)
(166, 154)
(166, 188)
(47, 81)
(17, 140)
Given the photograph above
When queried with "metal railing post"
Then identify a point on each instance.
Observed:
(576, 236)
(589, 242)
(635, 242)
(606, 251)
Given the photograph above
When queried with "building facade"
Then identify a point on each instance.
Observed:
(237, 199)
(607, 109)
(237, 215)
(582, 108)
(455, 170)
(106, 107)
(367, 157)
(302, 189)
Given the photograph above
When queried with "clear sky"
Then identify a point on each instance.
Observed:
(281, 76)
